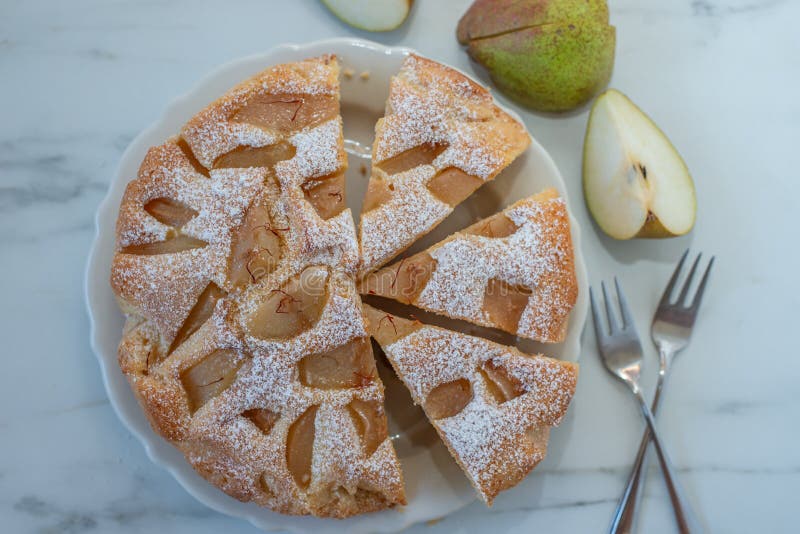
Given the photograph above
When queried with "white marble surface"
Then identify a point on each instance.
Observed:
(78, 80)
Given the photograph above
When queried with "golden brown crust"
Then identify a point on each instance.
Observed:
(497, 442)
(178, 231)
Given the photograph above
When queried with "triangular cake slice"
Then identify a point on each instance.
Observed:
(513, 271)
(442, 138)
(245, 340)
(492, 405)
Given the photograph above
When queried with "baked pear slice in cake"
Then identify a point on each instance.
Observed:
(442, 137)
(513, 271)
(492, 405)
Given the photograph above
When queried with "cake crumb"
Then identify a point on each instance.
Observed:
(363, 170)
(364, 75)
(348, 73)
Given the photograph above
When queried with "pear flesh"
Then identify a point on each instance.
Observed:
(635, 182)
(371, 15)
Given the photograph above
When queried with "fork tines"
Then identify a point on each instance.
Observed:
(681, 302)
(625, 312)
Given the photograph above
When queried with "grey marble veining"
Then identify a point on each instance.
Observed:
(78, 80)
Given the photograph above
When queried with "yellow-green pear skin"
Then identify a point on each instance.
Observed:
(486, 18)
(548, 55)
(555, 67)
(635, 182)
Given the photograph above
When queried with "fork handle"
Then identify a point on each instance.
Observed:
(685, 516)
(624, 521)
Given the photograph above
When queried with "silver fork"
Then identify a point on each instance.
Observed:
(671, 330)
(621, 352)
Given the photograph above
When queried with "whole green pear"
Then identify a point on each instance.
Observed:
(549, 55)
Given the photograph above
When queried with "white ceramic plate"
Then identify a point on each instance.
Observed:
(434, 484)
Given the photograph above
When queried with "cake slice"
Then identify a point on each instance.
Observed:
(442, 138)
(245, 341)
(492, 405)
(513, 271)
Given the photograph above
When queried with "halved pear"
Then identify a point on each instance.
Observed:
(635, 182)
(371, 15)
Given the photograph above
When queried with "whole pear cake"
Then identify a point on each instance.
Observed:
(238, 269)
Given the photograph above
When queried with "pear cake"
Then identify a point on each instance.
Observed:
(238, 268)
(245, 340)
(513, 271)
(442, 137)
(492, 405)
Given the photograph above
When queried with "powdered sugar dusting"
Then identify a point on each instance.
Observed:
(165, 286)
(387, 230)
(537, 256)
(318, 154)
(432, 104)
(489, 440)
